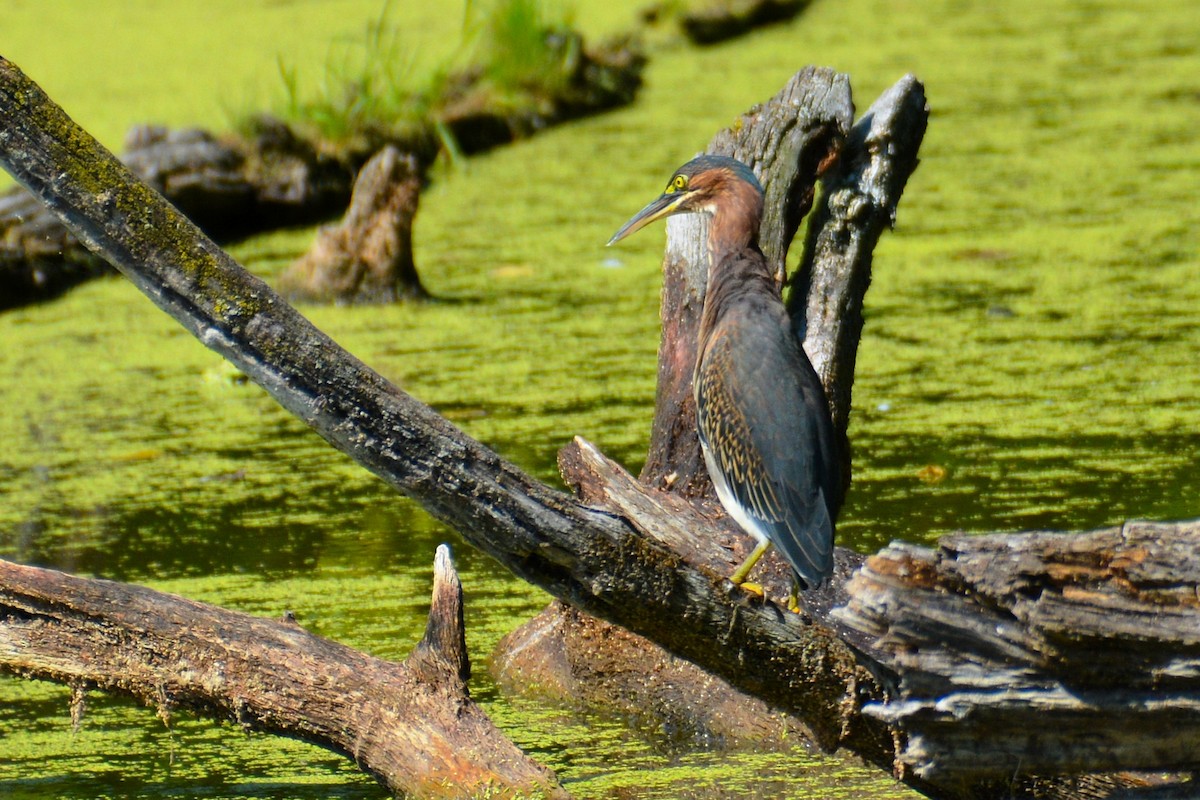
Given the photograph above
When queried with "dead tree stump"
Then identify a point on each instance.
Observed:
(627, 552)
(789, 141)
(368, 257)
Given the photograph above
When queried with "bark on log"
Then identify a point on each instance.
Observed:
(595, 559)
(368, 257)
(412, 725)
(1096, 636)
(860, 200)
(588, 557)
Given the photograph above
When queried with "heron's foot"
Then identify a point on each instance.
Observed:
(753, 588)
(794, 601)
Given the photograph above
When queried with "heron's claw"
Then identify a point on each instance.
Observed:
(793, 603)
(753, 588)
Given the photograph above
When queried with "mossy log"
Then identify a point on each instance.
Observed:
(606, 561)
(368, 256)
(412, 725)
(233, 187)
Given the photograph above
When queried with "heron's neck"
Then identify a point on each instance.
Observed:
(733, 222)
(737, 268)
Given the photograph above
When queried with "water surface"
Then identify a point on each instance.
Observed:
(1032, 334)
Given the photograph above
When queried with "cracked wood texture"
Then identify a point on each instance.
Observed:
(1038, 652)
(598, 559)
(588, 557)
(412, 725)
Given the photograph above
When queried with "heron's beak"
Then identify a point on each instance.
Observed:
(664, 206)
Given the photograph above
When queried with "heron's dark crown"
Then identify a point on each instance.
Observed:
(721, 187)
(700, 167)
(727, 189)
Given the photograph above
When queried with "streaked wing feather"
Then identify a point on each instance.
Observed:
(752, 416)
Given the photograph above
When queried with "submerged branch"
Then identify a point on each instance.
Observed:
(587, 557)
(412, 725)
(619, 564)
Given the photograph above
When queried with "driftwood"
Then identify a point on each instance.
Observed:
(368, 257)
(1039, 649)
(598, 559)
(412, 725)
(233, 187)
(789, 141)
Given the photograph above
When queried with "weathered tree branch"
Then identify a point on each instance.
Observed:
(861, 196)
(412, 725)
(622, 565)
(587, 557)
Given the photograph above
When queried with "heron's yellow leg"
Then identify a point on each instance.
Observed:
(739, 575)
(794, 599)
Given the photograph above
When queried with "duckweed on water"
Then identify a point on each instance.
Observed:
(1031, 338)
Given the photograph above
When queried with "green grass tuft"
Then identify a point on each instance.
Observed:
(526, 47)
(374, 88)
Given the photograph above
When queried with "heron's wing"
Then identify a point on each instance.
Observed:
(764, 432)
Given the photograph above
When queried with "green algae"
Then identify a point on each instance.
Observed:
(1031, 331)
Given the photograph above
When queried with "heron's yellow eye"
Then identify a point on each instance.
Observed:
(678, 183)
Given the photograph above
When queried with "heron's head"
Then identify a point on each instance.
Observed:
(705, 184)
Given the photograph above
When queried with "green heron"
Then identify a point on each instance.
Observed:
(764, 423)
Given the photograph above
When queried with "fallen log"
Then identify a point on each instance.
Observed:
(598, 559)
(276, 177)
(1030, 651)
(412, 725)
